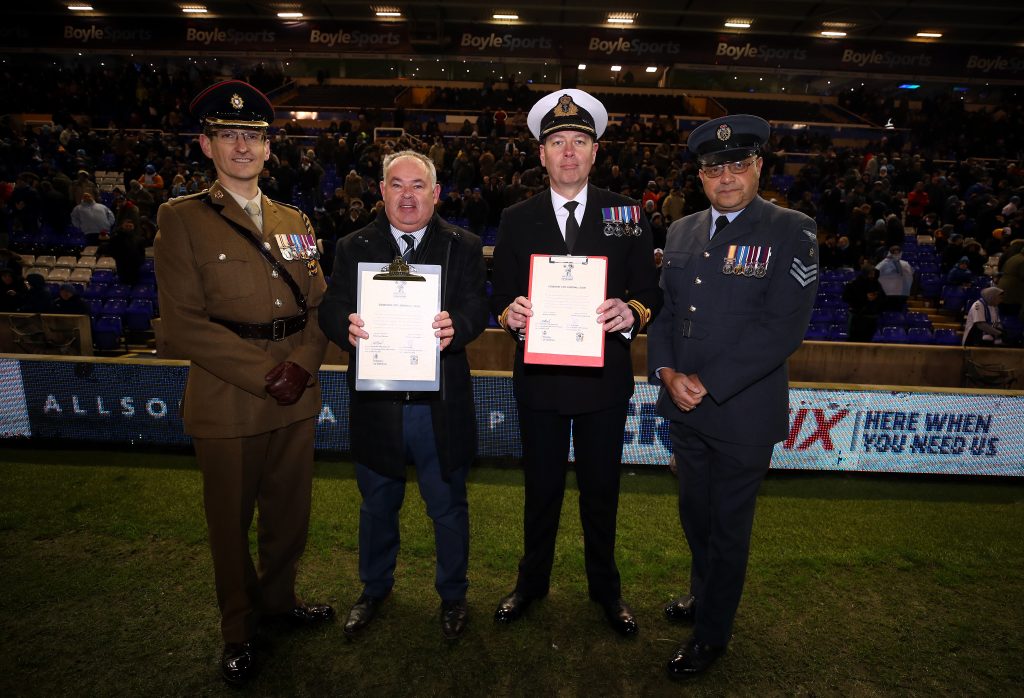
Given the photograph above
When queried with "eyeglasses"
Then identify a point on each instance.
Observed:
(736, 168)
(250, 137)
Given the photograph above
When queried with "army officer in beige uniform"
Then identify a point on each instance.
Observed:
(239, 287)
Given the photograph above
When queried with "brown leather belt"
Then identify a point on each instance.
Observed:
(274, 331)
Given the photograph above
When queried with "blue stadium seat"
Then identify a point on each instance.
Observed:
(841, 316)
(138, 315)
(817, 332)
(893, 318)
(115, 307)
(104, 276)
(916, 319)
(919, 335)
(946, 337)
(953, 298)
(821, 316)
(930, 284)
(118, 291)
(838, 333)
(106, 333)
(892, 335)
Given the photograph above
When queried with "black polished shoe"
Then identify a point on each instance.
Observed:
(453, 618)
(512, 607)
(363, 611)
(238, 663)
(692, 658)
(301, 617)
(620, 618)
(681, 610)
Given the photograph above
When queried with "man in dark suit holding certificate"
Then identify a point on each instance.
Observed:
(434, 431)
(573, 217)
(739, 280)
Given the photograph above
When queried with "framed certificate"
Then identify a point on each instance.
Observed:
(398, 310)
(565, 292)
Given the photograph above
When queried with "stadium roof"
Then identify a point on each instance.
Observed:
(986, 23)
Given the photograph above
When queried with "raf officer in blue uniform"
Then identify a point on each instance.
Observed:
(739, 282)
(577, 218)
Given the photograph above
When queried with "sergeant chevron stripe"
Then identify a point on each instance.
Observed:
(805, 274)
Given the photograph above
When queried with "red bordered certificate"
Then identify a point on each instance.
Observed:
(565, 292)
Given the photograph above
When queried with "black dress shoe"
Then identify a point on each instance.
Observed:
(363, 611)
(238, 663)
(620, 618)
(692, 658)
(512, 607)
(681, 610)
(302, 616)
(453, 618)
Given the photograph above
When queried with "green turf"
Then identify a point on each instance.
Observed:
(856, 586)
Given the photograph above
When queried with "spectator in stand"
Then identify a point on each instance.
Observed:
(866, 299)
(82, 185)
(68, 302)
(476, 211)
(976, 255)
(353, 185)
(26, 203)
(961, 274)
(983, 326)
(354, 219)
(451, 207)
(178, 187)
(1012, 280)
(953, 251)
(55, 208)
(917, 202)
(651, 193)
(12, 291)
(896, 277)
(142, 198)
(128, 249)
(92, 218)
(659, 231)
(673, 205)
(153, 182)
(37, 298)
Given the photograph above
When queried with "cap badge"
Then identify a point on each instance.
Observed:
(236, 101)
(724, 133)
(565, 106)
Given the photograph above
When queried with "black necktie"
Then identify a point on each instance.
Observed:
(720, 224)
(410, 244)
(572, 228)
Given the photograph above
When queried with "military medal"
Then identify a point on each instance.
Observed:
(621, 220)
(761, 269)
(741, 261)
(730, 261)
(748, 269)
(312, 267)
(297, 246)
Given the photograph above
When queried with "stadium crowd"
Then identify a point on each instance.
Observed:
(952, 176)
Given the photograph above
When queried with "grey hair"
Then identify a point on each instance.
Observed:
(427, 163)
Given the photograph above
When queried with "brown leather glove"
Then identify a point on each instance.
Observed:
(286, 382)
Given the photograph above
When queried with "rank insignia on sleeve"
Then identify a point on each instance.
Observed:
(805, 274)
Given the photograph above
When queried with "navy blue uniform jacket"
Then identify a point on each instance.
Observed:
(735, 331)
(530, 227)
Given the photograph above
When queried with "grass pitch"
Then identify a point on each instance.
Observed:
(856, 586)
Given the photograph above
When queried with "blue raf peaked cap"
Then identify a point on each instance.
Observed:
(728, 139)
(232, 104)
